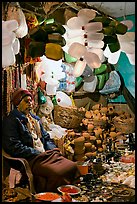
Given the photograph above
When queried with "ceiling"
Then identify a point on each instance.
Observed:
(62, 11)
(116, 9)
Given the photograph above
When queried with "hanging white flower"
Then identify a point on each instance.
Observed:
(81, 38)
(15, 13)
(10, 44)
(127, 45)
(52, 68)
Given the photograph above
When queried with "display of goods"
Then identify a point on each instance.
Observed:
(70, 189)
(128, 159)
(68, 117)
(83, 168)
(66, 197)
(124, 125)
(47, 196)
(59, 143)
(17, 194)
(101, 123)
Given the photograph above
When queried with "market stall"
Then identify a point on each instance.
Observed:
(70, 69)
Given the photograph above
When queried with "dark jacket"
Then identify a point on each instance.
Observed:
(16, 138)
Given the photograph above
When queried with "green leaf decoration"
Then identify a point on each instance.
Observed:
(114, 47)
(49, 21)
(68, 58)
(54, 101)
(114, 23)
(41, 98)
(101, 69)
(78, 81)
(41, 20)
(101, 81)
(104, 19)
(36, 49)
(106, 76)
(56, 38)
(54, 28)
(109, 30)
(110, 39)
(121, 29)
(39, 34)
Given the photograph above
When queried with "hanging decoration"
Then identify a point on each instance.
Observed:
(13, 27)
(15, 13)
(41, 97)
(90, 86)
(78, 37)
(79, 51)
(31, 20)
(10, 44)
(53, 51)
(70, 78)
(113, 84)
(23, 81)
(85, 43)
(96, 37)
(45, 39)
(78, 81)
(128, 23)
(52, 74)
(127, 45)
(68, 58)
(63, 99)
(118, 35)
(62, 82)
(87, 73)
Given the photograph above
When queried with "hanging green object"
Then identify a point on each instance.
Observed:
(101, 69)
(106, 76)
(112, 42)
(41, 98)
(104, 19)
(121, 29)
(39, 34)
(110, 39)
(78, 81)
(36, 49)
(109, 30)
(114, 23)
(41, 20)
(101, 81)
(114, 47)
(54, 28)
(50, 20)
(69, 58)
(54, 101)
(56, 38)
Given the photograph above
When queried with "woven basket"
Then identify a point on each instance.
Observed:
(68, 117)
(126, 126)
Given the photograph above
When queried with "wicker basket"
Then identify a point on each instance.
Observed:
(68, 117)
(126, 126)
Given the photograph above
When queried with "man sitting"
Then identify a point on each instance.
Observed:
(25, 137)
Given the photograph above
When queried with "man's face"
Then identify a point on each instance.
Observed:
(25, 105)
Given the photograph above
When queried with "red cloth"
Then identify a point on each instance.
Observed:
(18, 95)
(55, 170)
